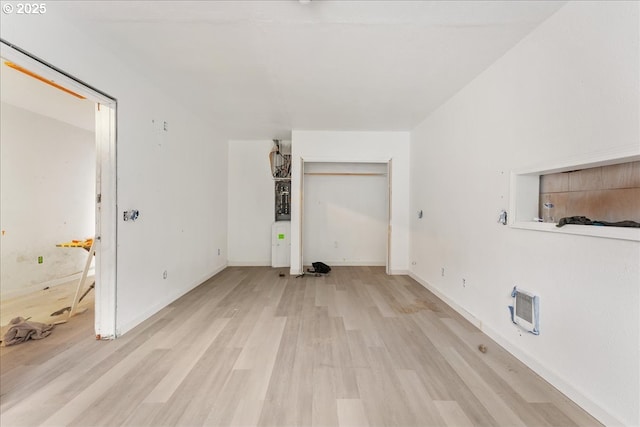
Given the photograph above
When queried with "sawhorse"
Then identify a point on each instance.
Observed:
(87, 245)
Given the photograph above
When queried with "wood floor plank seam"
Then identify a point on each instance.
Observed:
(251, 348)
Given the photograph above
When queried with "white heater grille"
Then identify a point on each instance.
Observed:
(524, 307)
(525, 311)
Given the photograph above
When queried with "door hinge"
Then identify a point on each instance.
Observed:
(98, 198)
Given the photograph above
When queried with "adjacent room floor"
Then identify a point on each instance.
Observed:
(354, 348)
(40, 305)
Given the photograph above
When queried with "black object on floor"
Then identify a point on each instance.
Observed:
(319, 267)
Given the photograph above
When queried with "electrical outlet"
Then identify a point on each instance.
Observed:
(464, 283)
(164, 274)
(442, 271)
(218, 251)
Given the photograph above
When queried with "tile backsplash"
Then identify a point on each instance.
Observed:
(606, 193)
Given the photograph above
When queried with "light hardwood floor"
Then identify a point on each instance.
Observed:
(38, 306)
(249, 348)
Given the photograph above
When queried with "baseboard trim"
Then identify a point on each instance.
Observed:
(590, 406)
(556, 381)
(40, 286)
(249, 263)
(464, 313)
(354, 263)
(123, 329)
(399, 272)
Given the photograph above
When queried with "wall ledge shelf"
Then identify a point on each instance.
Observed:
(619, 233)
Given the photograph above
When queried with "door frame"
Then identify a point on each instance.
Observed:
(106, 182)
(387, 161)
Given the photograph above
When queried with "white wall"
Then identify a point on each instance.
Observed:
(47, 197)
(336, 146)
(345, 219)
(569, 89)
(177, 179)
(251, 203)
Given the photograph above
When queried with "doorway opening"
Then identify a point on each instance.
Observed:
(345, 213)
(87, 174)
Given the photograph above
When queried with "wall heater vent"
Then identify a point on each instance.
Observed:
(525, 311)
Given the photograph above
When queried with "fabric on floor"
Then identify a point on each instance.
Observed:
(20, 331)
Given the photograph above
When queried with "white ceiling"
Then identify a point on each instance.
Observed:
(258, 69)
